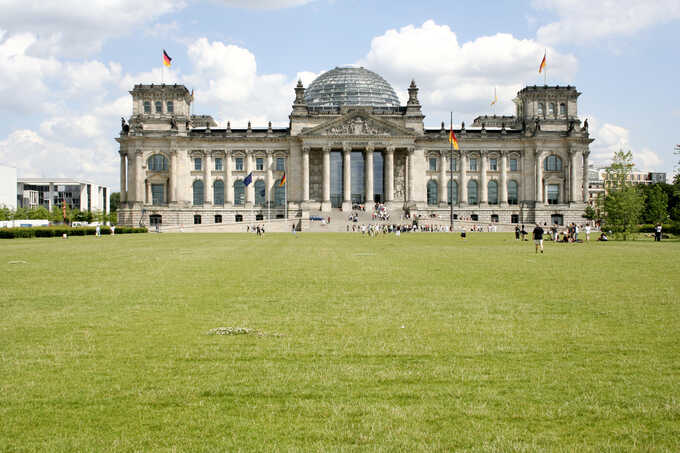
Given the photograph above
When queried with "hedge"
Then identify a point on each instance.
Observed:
(666, 228)
(58, 231)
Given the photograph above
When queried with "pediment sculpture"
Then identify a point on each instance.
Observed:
(357, 126)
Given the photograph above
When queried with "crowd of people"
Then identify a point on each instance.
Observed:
(557, 234)
(258, 229)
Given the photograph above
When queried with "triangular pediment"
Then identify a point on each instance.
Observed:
(358, 124)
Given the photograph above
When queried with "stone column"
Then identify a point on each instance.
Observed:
(346, 177)
(305, 173)
(443, 182)
(573, 180)
(326, 189)
(148, 200)
(411, 174)
(269, 182)
(131, 178)
(228, 182)
(504, 179)
(388, 173)
(250, 189)
(207, 180)
(483, 197)
(140, 177)
(368, 173)
(463, 179)
(539, 177)
(123, 179)
(586, 153)
(172, 179)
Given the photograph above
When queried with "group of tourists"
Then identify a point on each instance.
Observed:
(380, 212)
(258, 229)
(372, 229)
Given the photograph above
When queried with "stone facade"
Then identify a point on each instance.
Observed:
(180, 169)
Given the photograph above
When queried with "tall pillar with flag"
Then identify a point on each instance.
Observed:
(453, 141)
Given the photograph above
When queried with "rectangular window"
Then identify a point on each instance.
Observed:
(493, 164)
(218, 164)
(553, 193)
(197, 220)
(147, 106)
(280, 164)
(433, 164)
(513, 164)
(159, 107)
(473, 164)
(259, 164)
(239, 164)
(157, 192)
(218, 218)
(197, 163)
(454, 164)
(170, 107)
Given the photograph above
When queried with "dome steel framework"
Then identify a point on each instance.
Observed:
(350, 86)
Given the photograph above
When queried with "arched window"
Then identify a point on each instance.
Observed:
(553, 163)
(551, 109)
(279, 194)
(157, 162)
(513, 192)
(563, 109)
(541, 109)
(239, 193)
(472, 192)
(218, 190)
(453, 192)
(159, 107)
(492, 192)
(260, 194)
(198, 192)
(147, 106)
(432, 197)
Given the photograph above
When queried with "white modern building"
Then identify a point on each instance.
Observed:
(8, 187)
(77, 193)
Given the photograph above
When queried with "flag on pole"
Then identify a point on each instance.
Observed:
(495, 97)
(453, 140)
(248, 179)
(283, 180)
(192, 95)
(166, 58)
(542, 66)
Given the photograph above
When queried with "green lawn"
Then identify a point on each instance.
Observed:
(418, 343)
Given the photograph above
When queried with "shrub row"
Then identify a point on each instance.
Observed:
(666, 228)
(48, 232)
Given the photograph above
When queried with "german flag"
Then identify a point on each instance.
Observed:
(283, 180)
(453, 140)
(166, 58)
(542, 66)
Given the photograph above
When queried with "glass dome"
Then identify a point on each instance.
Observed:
(350, 86)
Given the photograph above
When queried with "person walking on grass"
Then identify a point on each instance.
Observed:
(657, 233)
(538, 237)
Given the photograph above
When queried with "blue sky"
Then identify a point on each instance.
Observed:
(66, 66)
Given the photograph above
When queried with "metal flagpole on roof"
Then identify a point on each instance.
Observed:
(450, 193)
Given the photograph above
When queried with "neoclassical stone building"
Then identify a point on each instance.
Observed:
(349, 141)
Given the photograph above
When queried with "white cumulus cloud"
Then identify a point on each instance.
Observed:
(583, 21)
(462, 76)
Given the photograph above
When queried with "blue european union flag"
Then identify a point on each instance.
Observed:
(248, 179)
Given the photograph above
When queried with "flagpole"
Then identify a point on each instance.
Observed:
(450, 194)
(545, 69)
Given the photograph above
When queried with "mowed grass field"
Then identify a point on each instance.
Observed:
(419, 343)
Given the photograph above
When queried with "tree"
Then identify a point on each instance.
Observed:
(656, 204)
(624, 203)
(114, 201)
(589, 213)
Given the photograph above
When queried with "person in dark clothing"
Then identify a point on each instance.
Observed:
(517, 233)
(538, 237)
(657, 233)
(524, 233)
